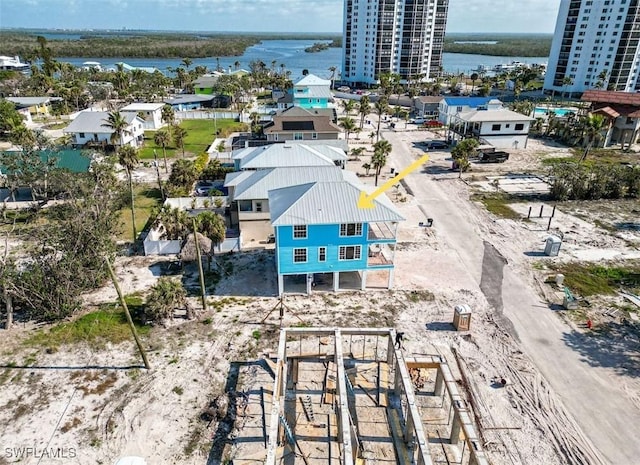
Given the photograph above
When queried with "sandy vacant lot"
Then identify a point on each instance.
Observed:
(95, 403)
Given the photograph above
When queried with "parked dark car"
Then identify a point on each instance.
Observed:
(437, 145)
(493, 157)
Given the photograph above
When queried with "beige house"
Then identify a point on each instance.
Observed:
(37, 106)
(297, 123)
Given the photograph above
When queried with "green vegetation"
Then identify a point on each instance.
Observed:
(200, 134)
(523, 45)
(107, 325)
(143, 44)
(593, 181)
(498, 204)
(146, 200)
(589, 279)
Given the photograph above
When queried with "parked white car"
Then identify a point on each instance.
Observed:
(417, 120)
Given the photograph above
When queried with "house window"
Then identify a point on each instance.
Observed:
(81, 134)
(629, 120)
(298, 136)
(300, 231)
(519, 126)
(275, 136)
(350, 229)
(258, 206)
(322, 254)
(299, 255)
(349, 252)
(245, 205)
(314, 135)
(496, 127)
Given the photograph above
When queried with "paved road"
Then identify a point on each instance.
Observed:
(607, 414)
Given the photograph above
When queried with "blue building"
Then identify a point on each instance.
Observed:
(321, 234)
(451, 106)
(309, 92)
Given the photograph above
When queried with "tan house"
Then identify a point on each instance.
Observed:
(297, 123)
(622, 112)
(37, 106)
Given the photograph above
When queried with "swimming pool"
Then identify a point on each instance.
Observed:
(541, 111)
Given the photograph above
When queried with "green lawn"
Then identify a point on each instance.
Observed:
(146, 198)
(200, 134)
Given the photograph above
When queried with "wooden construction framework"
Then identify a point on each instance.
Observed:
(412, 433)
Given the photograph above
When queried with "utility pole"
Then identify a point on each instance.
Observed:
(155, 158)
(199, 256)
(126, 312)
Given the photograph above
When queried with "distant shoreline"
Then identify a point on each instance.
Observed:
(196, 44)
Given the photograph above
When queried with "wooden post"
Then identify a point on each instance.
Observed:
(541, 208)
(9, 306)
(202, 288)
(155, 158)
(126, 312)
(529, 214)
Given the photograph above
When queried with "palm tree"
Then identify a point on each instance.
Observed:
(382, 107)
(566, 82)
(333, 75)
(592, 131)
(349, 125)
(356, 152)
(168, 116)
(381, 150)
(187, 62)
(236, 65)
(162, 138)
(128, 158)
(118, 123)
(212, 226)
(364, 108)
(165, 296)
(461, 153)
(367, 167)
(348, 105)
(474, 78)
(179, 134)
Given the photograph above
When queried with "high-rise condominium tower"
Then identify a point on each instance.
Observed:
(595, 45)
(392, 36)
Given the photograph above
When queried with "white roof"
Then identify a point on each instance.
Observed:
(326, 203)
(313, 80)
(497, 116)
(142, 107)
(92, 121)
(282, 156)
(235, 178)
(260, 182)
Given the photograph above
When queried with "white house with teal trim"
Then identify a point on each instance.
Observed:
(319, 230)
(309, 92)
(287, 155)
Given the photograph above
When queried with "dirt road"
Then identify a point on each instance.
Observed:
(597, 397)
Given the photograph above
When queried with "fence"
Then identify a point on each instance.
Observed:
(199, 114)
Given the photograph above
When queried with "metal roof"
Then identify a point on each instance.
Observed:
(326, 203)
(189, 98)
(75, 161)
(235, 178)
(493, 115)
(142, 107)
(92, 121)
(282, 156)
(312, 92)
(258, 185)
(29, 101)
(312, 80)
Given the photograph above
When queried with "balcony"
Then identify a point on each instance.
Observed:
(380, 255)
(382, 231)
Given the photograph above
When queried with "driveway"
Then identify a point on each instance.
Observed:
(601, 399)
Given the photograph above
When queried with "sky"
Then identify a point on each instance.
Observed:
(257, 15)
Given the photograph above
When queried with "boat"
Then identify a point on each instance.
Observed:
(13, 64)
(91, 66)
(482, 69)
